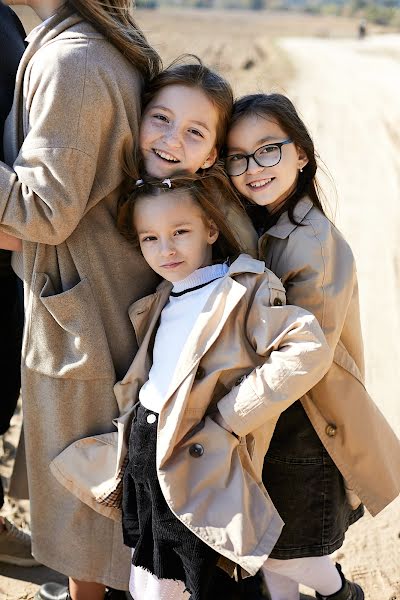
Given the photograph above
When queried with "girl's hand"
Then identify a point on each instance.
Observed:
(9, 242)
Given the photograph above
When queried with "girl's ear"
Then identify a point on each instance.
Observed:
(210, 160)
(302, 159)
(213, 232)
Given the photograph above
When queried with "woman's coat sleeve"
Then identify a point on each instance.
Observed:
(69, 108)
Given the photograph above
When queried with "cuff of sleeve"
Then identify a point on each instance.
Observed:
(242, 409)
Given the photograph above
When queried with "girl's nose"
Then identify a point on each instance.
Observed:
(254, 167)
(174, 138)
(167, 248)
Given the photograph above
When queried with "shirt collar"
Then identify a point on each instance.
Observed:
(200, 277)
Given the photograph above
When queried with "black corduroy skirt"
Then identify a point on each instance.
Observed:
(163, 544)
(306, 488)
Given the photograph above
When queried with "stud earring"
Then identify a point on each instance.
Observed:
(301, 170)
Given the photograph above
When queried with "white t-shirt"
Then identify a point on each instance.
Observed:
(176, 323)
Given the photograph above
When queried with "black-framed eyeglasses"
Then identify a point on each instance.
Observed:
(265, 156)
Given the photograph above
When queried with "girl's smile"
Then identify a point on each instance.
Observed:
(165, 155)
(260, 184)
(178, 131)
(265, 186)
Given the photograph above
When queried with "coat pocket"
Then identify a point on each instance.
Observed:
(66, 337)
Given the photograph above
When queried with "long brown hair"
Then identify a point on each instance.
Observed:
(205, 190)
(196, 74)
(278, 108)
(113, 18)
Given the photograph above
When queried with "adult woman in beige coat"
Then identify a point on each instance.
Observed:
(75, 115)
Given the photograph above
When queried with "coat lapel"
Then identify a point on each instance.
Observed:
(213, 317)
(144, 315)
(207, 328)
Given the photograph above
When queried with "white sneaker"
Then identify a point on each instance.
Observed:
(15, 546)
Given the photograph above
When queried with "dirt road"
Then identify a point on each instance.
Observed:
(348, 93)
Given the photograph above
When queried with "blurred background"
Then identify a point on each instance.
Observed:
(339, 61)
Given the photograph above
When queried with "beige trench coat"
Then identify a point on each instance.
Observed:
(76, 108)
(248, 356)
(317, 268)
(76, 105)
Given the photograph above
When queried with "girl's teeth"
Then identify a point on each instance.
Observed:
(166, 156)
(258, 184)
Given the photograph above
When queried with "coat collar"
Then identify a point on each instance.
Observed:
(245, 264)
(51, 28)
(283, 228)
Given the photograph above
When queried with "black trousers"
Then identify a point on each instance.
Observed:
(11, 325)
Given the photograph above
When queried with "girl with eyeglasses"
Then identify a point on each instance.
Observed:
(322, 461)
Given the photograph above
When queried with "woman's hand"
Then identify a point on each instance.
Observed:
(9, 242)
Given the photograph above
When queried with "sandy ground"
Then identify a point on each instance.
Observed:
(348, 93)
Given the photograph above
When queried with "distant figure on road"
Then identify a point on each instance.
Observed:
(362, 29)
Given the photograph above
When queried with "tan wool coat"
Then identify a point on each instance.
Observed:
(248, 356)
(76, 106)
(317, 268)
(76, 109)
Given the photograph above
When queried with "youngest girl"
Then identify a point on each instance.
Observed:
(220, 358)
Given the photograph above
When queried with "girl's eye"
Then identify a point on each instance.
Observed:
(269, 149)
(180, 231)
(148, 238)
(196, 132)
(161, 117)
(235, 157)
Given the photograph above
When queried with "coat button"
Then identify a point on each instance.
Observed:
(151, 418)
(330, 430)
(200, 373)
(278, 302)
(196, 450)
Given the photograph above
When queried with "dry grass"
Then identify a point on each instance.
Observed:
(239, 44)
(239, 48)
